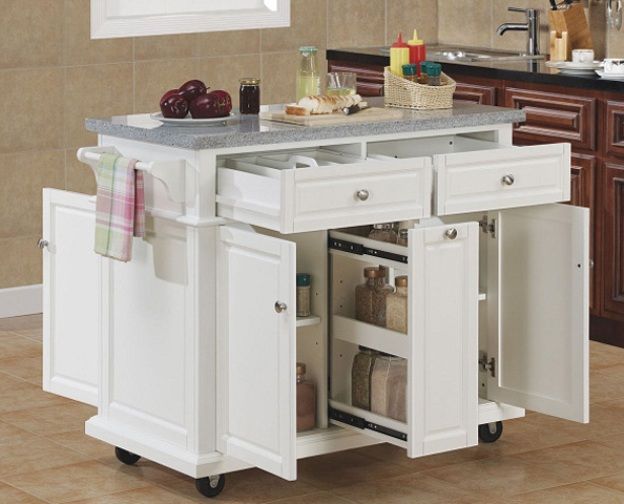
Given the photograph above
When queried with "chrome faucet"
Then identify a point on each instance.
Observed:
(531, 27)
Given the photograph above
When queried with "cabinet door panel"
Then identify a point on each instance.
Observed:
(613, 255)
(538, 330)
(475, 93)
(256, 348)
(70, 297)
(443, 353)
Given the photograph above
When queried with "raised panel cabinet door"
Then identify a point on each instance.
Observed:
(256, 349)
(443, 349)
(475, 93)
(553, 117)
(71, 282)
(613, 230)
(538, 316)
(614, 137)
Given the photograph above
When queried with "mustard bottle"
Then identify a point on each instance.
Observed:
(399, 56)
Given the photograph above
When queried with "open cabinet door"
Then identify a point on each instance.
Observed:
(256, 350)
(538, 330)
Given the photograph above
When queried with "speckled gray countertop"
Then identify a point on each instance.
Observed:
(249, 130)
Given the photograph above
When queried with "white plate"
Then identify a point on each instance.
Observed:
(189, 121)
(571, 66)
(610, 76)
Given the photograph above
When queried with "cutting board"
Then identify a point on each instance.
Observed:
(337, 118)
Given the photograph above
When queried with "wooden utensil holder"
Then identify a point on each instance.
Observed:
(573, 22)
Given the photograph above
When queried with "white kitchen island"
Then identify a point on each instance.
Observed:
(189, 350)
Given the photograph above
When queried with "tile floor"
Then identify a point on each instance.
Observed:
(46, 458)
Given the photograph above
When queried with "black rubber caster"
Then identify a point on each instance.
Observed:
(210, 486)
(489, 433)
(126, 457)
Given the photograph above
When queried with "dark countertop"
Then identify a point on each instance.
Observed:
(534, 71)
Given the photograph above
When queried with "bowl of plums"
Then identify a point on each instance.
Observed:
(194, 104)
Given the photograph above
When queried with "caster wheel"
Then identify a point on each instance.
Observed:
(489, 433)
(210, 486)
(126, 457)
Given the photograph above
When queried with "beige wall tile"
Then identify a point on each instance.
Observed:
(406, 15)
(23, 176)
(79, 49)
(21, 261)
(31, 32)
(225, 72)
(78, 176)
(279, 74)
(32, 115)
(90, 91)
(153, 78)
(227, 43)
(308, 27)
(165, 47)
(467, 23)
(615, 44)
(355, 23)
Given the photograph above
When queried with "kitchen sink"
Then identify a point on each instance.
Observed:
(471, 54)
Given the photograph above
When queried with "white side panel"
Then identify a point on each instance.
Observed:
(539, 325)
(443, 366)
(256, 350)
(71, 286)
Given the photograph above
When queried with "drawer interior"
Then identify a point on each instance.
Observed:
(429, 147)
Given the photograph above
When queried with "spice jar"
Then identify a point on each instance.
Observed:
(306, 400)
(410, 72)
(383, 232)
(389, 387)
(249, 96)
(370, 297)
(434, 74)
(396, 306)
(303, 294)
(361, 377)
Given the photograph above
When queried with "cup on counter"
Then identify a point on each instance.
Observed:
(583, 56)
(341, 83)
(614, 65)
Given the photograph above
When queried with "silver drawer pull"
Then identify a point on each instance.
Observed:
(508, 180)
(280, 307)
(362, 195)
(42, 243)
(451, 234)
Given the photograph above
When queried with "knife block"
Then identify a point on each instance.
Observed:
(559, 46)
(573, 22)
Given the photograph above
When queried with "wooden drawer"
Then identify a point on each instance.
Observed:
(615, 128)
(475, 93)
(313, 190)
(554, 117)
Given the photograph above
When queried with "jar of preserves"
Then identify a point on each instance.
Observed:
(249, 95)
(396, 306)
(370, 297)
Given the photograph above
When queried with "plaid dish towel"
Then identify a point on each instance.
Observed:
(120, 207)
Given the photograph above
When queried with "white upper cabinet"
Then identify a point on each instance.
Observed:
(138, 18)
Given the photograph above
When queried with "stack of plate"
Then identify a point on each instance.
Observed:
(610, 75)
(572, 68)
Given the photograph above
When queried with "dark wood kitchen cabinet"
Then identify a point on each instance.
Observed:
(613, 252)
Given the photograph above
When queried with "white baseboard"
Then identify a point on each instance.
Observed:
(20, 301)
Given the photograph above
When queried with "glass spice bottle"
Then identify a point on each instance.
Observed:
(249, 96)
(383, 232)
(361, 377)
(434, 74)
(303, 295)
(389, 387)
(396, 306)
(306, 400)
(370, 297)
(402, 237)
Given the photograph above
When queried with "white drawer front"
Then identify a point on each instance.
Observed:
(502, 178)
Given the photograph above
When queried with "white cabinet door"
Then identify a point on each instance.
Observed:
(70, 297)
(538, 326)
(256, 350)
(443, 353)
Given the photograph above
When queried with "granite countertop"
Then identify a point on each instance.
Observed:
(526, 71)
(250, 130)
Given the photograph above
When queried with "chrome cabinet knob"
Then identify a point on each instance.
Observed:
(280, 307)
(508, 180)
(362, 195)
(42, 243)
(451, 234)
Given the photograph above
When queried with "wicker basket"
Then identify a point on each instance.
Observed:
(403, 93)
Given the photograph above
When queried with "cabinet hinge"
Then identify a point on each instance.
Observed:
(487, 365)
(488, 226)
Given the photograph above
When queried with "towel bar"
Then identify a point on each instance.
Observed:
(170, 173)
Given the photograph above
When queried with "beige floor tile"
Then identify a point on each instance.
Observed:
(25, 368)
(17, 395)
(11, 435)
(613, 481)
(147, 495)
(33, 334)
(345, 468)
(252, 486)
(146, 470)
(579, 493)
(81, 443)
(34, 455)
(19, 347)
(66, 417)
(314, 498)
(11, 495)
(602, 355)
(74, 482)
(576, 462)
(19, 323)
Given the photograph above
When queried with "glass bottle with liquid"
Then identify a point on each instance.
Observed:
(308, 77)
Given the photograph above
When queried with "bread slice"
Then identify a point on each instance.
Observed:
(294, 109)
